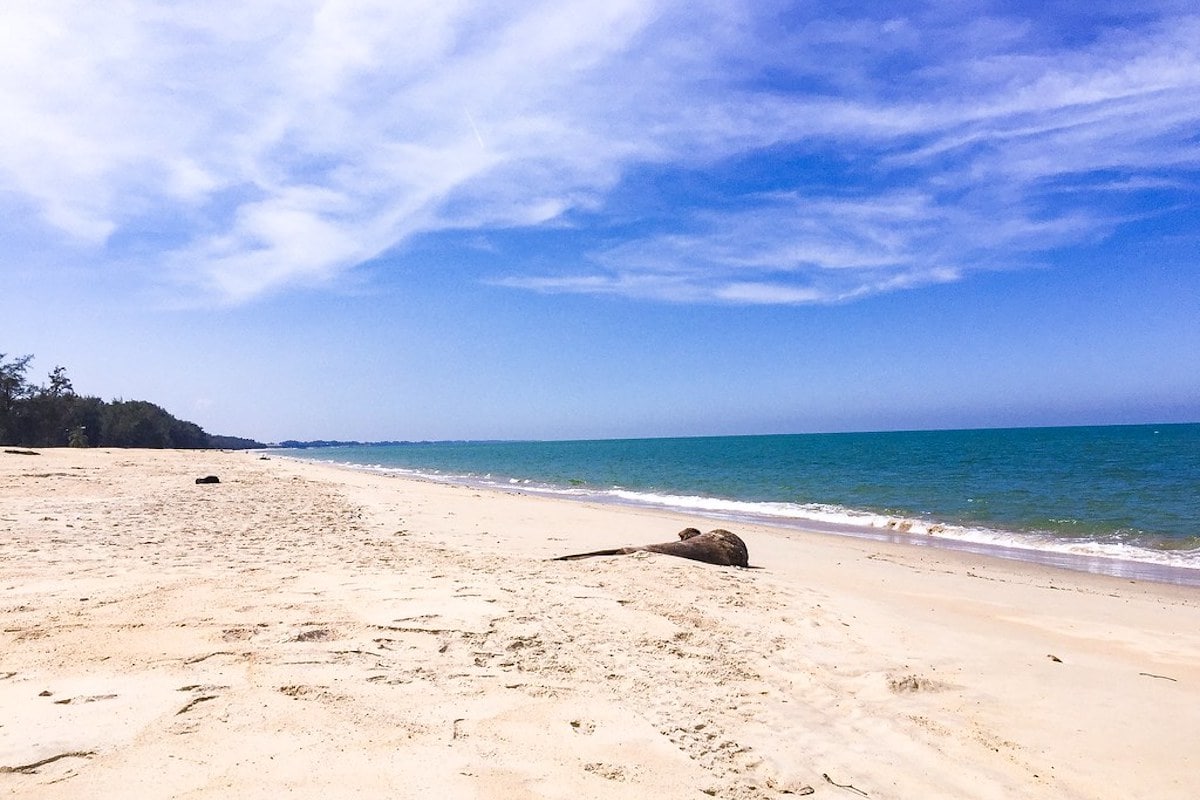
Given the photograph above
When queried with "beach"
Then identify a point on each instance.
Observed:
(315, 631)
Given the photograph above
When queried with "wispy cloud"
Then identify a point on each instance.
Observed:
(1003, 155)
(253, 147)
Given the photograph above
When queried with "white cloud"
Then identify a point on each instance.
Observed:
(108, 115)
(788, 249)
(284, 143)
(998, 151)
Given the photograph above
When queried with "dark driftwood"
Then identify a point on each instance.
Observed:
(718, 547)
(33, 767)
(844, 785)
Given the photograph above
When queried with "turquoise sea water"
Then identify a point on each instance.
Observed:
(1082, 496)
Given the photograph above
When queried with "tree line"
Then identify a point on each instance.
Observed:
(53, 415)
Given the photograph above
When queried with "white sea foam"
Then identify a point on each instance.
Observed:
(836, 519)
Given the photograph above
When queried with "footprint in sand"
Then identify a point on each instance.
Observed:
(86, 699)
(314, 635)
(237, 634)
(613, 772)
(914, 683)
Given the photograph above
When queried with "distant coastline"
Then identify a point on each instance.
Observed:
(294, 444)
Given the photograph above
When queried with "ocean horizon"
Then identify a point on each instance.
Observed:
(1120, 499)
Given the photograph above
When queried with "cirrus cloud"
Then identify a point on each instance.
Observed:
(247, 148)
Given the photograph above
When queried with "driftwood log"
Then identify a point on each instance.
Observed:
(718, 547)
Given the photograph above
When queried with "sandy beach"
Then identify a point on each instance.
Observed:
(310, 631)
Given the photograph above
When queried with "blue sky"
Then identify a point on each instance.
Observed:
(383, 220)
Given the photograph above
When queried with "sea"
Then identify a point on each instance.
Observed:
(1118, 500)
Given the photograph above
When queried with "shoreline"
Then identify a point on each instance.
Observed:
(1052, 554)
(309, 629)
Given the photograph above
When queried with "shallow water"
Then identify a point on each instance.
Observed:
(1120, 494)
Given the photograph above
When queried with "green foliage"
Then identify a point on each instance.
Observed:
(13, 390)
(60, 384)
(217, 441)
(136, 423)
(53, 415)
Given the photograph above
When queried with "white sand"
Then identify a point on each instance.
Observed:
(304, 631)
